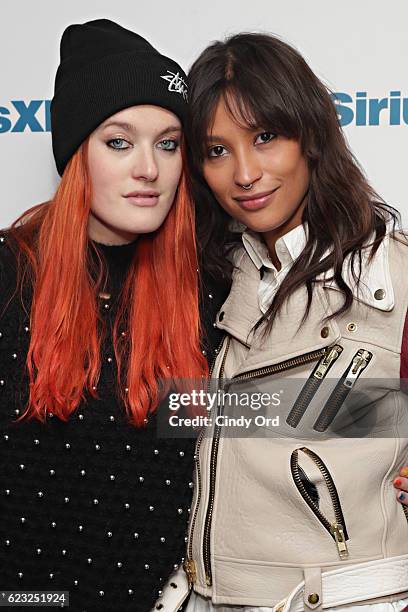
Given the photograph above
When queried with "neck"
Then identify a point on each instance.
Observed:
(103, 233)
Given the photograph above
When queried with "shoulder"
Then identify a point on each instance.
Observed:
(237, 255)
(9, 266)
(214, 291)
(397, 259)
(213, 294)
(397, 245)
(375, 279)
(9, 253)
(393, 252)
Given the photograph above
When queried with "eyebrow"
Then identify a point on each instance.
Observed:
(131, 128)
(214, 138)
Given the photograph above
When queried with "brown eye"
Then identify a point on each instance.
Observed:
(217, 151)
(264, 137)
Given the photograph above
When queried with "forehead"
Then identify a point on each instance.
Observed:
(144, 118)
(229, 117)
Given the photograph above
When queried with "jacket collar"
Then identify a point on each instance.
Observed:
(241, 311)
(288, 247)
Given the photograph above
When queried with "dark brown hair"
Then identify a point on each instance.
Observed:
(267, 84)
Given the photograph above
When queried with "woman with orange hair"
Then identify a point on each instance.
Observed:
(99, 302)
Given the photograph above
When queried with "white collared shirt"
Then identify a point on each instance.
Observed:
(288, 248)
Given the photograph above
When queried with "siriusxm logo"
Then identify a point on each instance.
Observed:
(363, 110)
(359, 110)
(33, 116)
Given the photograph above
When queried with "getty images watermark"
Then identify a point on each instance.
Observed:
(204, 400)
(285, 408)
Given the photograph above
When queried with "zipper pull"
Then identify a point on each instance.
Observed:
(191, 570)
(338, 534)
(360, 361)
(327, 361)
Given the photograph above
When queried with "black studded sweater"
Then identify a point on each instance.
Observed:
(93, 506)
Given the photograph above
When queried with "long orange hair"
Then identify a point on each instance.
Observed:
(156, 333)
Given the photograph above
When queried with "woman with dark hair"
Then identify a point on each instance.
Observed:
(98, 304)
(307, 519)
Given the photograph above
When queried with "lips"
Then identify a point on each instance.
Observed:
(143, 198)
(255, 201)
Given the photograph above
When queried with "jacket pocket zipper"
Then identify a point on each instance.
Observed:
(337, 528)
(189, 564)
(273, 369)
(312, 385)
(338, 396)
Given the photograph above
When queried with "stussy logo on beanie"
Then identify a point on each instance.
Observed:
(176, 83)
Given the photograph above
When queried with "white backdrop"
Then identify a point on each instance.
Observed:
(355, 46)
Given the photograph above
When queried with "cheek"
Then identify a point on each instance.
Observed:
(218, 181)
(103, 178)
(171, 174)
(302, 174)
(293, 168)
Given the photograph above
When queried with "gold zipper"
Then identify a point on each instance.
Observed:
(283, 365)
(312, 385)
(327, 361)
(213, 470)
(190, 566)
(273, 369)
(359, 362)
(337, 529)
(339, 537)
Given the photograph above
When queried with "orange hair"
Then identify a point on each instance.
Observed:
(156, 332)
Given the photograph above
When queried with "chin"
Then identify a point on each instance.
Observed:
(266, 221)
(146, 222)
(262, 227)
(145, 228)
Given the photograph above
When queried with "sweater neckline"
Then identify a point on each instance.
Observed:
(115, 247)
(116, 253)
(117, 259)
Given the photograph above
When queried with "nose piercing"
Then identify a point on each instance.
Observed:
(247, 187)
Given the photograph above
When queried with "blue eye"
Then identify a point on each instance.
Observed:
(217, 151)
(264, 138)
(118, 144)
(168, 144)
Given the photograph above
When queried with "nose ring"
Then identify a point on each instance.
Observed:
(247, 187)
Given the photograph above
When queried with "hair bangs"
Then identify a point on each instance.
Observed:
(251, 105)
(264, 110)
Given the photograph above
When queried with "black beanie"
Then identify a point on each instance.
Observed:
(105, 68)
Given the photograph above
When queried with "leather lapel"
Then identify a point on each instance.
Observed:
(290, 337)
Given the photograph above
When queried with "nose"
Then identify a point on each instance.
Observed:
(247, 168)
(144, 164)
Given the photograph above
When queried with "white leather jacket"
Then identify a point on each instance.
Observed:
(275, 508)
